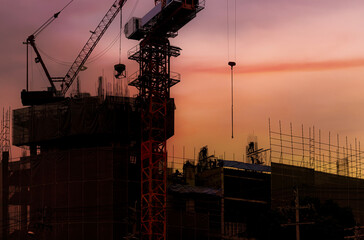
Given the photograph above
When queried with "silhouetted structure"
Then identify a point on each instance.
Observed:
(217, 199)
(320, 167)
(82, 178)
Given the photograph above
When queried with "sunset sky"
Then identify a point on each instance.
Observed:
(298, 61)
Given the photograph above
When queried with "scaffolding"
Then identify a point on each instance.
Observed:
(73, 194)
(5, 132)
(309, 150)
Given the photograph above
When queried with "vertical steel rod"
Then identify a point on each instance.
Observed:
(232, 103)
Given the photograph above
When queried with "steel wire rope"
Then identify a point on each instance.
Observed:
(101, 53)
(61, 62)
(91, 59)
(231, 63)
(235, 32)
(120, 28)
(50, 20)
(227, 32)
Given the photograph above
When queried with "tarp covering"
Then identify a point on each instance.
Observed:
(246, 166)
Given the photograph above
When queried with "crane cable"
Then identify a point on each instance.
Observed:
(97, 56)
(90, 60)
(121, 26)
(50, 20)
(118, 37)
(231, 63)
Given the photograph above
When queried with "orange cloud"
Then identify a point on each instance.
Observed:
(283, 67)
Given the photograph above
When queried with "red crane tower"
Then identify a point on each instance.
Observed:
(154, 82)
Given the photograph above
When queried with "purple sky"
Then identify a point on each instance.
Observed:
(298, 61)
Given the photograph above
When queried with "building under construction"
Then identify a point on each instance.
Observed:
(111, 129)
(97, 166)
(82, 179)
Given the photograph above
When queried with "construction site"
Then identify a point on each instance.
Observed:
(96, 167)
(82, 179)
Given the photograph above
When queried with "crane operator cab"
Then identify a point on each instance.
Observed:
(169, 19)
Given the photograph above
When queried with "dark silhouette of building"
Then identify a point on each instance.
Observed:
(82, 178)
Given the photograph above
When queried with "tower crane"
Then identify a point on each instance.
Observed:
(60, 85)
(154, 80)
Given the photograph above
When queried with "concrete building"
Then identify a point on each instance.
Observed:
(82, 178)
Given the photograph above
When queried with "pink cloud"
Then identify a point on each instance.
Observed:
(282, 67)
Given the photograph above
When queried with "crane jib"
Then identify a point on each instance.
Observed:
(86, 51)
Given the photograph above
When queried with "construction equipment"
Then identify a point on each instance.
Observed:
(154, 80)
(60, 85)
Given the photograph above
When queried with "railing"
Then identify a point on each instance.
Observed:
(134, 50)
(201, 4)
(133, 76)
(174, 76)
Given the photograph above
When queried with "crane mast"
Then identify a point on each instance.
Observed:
(154, 82)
